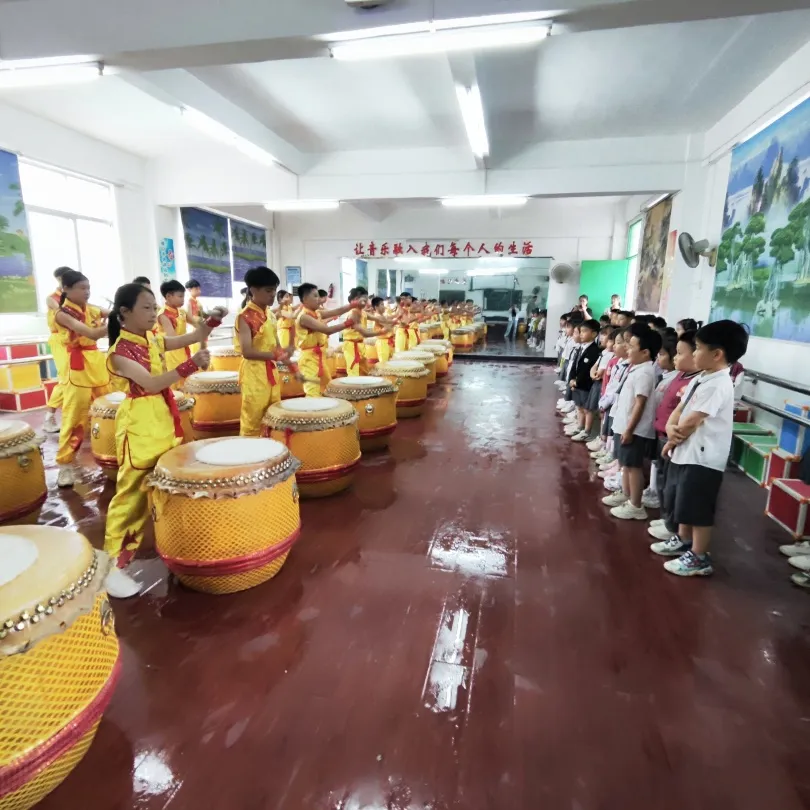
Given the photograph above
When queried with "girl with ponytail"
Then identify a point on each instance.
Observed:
(148, 422)
(78, 326)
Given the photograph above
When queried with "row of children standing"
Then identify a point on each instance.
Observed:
(656, 404)
(153, 350)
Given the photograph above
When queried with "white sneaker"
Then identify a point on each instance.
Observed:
(582, 436)
(660, 522)
(607, 463)
(67, 476)
(613, 484)
(120, 585)
(616, 499)
(659, 532)
(50, 425)
(595, 446)
(673, 547)
(650, 499)
(572, 430)
(626, 511)
(796, 549)
(802, 562)
(568, 407)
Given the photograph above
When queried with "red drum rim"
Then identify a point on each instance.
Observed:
(22, 511)
(327, 474)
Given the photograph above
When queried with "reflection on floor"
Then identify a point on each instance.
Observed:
(464, 629)
(499, 349)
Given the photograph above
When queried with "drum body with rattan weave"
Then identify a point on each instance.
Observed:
(444, 343)
(22, 475)
(440, 353)
(225, 358)
(374, 399)
(410, 378)
(223, 525)
(463, 339)
(59, 658)
(371, 351)
(426, 358)
(291, 388)
(102, 432)
(322, 434)
(340, 363)
(217, 403)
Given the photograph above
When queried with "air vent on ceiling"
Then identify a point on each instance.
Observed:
(366, 3)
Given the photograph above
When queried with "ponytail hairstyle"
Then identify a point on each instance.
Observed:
(690, 324)
(70, 278)
(280, 295)
(259, 277)
(60, 272)
(125, 298)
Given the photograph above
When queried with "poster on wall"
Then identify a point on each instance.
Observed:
(249, 248)
(763, 260)
(653, 256)
(669, 268)
(17, 290)
(168, 269)
(293, 277)
(209, 256)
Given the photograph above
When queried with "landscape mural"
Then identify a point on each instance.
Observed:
(249, 248)
(17, 289)
(763, 260)
(208, 251)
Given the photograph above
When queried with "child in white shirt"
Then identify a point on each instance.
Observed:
(699, 436)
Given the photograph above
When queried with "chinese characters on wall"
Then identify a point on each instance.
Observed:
(444, 250)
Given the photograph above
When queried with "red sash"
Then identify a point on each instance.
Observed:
(76, 352)
(270, 366)
(357, 357)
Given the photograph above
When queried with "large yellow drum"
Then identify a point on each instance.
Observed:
(375, 400)
(427, 359)
(410, 378)
(217, 403)
(225, 358)
(321, 433)
(102, 431)
(59, 660)
(340, 361)
(463, 338)
(441, 354)
(291, 388)
(185, 404)
(225, 511)
(371, 351)
(446, 344)
(22, 475)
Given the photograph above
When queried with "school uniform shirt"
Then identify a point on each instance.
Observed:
(640, 382)
(673, 391)
(709, 445)
(616, 379)
(609, 367)
(587, 359)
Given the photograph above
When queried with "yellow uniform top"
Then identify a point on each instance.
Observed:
(87, 367)
(51, 314)
(262, 325)
(177, 318)
(306, 338)
(359, 317)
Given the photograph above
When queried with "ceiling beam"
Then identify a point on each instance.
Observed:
(179, 88)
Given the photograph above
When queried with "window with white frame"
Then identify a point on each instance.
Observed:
(71, 221)
(634, 234)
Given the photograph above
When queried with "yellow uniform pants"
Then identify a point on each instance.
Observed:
(257, 396)
(401, 341)
(355, 354)
(75, 420)
(446, 331)
(314, 371)
(413, 337)
(284, 336)
(384, 350)
(60, 359)
(144, 431)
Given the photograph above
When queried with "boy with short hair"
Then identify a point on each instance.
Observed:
(699, 436)
(172, 321)
(582, 380)
(633, 423)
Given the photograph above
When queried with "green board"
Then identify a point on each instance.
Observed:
(599, 280)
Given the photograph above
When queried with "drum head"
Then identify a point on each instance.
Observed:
(17, 554)
(355, 381)
(233, 452)
(402, 365)
(309, 404)
(216, 376)
(11, 427)
(116, 397)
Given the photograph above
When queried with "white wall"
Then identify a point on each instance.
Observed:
(42, 140)
(785, 86)
(567, 230)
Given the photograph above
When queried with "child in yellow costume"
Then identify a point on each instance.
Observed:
(446, 320)
(148, 422)
(286, 318)
(58, 351)
(255, 337)
(194, 310)
(354, 338)
(403, 323)
(311, 337)
(383, 330)
(416, 318)
(172, 323)
(79, 326)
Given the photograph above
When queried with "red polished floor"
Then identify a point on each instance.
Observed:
(465, 629)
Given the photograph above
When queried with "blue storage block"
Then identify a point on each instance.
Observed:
(795, 439)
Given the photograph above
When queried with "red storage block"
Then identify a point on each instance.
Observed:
(780, 465)
(19, 401)
(18, 351)
(787, 505)
(742, 413)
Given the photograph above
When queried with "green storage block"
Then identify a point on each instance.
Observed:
(755, 458)
(750, 429)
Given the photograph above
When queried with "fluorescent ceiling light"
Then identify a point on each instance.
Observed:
(47, 75)
(227, 136)
(773, 119)
(485, 201)
(432, 271)
(302, 205)
(492, 271)
(412, 259)
(440, 40)
(472, 111)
